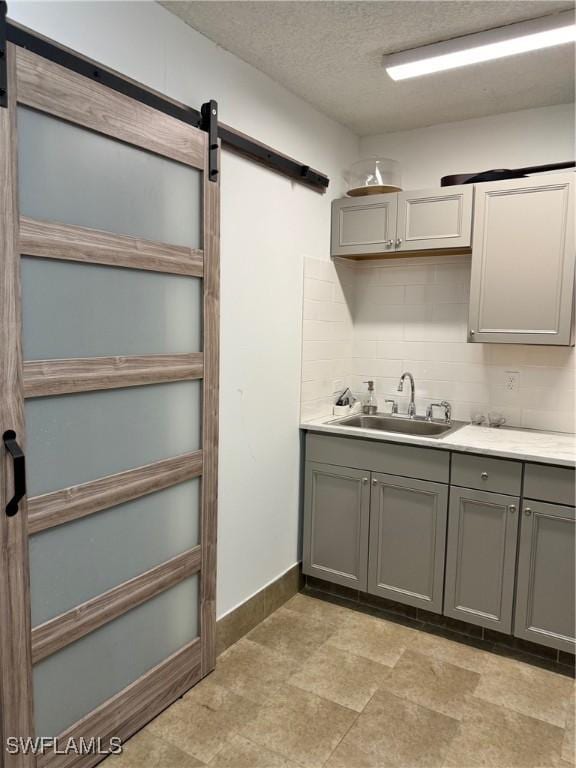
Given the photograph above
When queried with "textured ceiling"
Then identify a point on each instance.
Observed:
(330, 54)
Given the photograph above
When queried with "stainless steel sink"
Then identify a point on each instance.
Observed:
(402, 424)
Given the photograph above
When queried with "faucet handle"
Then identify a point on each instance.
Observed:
(443, 404)
(394, 405)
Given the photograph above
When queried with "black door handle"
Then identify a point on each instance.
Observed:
(19, 460)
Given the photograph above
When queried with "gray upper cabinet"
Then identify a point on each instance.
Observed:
(545, 590)
(435, 219)
(402, 221)
(522, 283)
(481, 558)
(336, 512)
(365, 225)
(407, 540)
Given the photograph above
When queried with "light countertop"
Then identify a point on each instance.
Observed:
(520, 444)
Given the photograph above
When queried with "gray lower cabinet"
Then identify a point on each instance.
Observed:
(407, 540)
(484, 558)
(545, 587)
(336, 521)
(481, 558)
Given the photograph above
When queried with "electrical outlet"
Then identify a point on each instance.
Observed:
(511, 381)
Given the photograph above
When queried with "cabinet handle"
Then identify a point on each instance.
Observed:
(527, 511)
(512, 508)
(398, 242)
(472, 333)
(374, 482)
(389, 243)
(484, 475)
(364, 479)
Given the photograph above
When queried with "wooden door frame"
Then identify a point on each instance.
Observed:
(50, 88)
(16, 715)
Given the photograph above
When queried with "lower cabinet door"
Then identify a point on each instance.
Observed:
(481, 558)
(545, 586)
(407, 540)
(336, 521)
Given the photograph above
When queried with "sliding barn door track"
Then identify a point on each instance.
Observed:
(206, 119)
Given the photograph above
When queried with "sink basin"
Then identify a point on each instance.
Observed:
(402, 424)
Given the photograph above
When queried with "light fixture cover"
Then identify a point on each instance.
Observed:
(492, 44)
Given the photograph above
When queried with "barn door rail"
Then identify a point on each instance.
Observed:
(231, 139)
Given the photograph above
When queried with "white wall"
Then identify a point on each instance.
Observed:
(268, 225)
(510, 140)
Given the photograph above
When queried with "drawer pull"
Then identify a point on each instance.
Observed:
(374, 482)
(527, 511)
(364, 479)
(484, 475)
(512, 508)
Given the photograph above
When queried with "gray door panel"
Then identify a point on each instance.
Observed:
(336, 512)
(481, 558)
(364, 226)
(545, 587)
(407, 540)
(522, 280)
(435, 218)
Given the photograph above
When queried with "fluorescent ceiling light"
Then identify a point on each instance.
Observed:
(483, 46)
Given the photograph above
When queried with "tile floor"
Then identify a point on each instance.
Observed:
(317, 684)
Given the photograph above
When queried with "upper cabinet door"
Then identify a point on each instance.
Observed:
(365, 225)
(523, 261)
(434, 219)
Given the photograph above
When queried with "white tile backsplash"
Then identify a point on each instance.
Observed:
(327, 347)
(373, 320)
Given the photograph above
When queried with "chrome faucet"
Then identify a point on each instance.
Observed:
(411, 404)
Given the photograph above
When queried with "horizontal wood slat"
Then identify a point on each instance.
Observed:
(68, 504)
(125, 713)
(58, 377)
(51, 88)
(74, 624)
(52, 240)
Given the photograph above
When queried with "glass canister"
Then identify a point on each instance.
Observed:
(374, 176)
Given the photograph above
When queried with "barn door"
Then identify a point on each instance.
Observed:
(109, 394)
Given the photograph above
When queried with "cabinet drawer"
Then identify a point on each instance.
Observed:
(496, 475)
(391, 458)
(555, 484)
